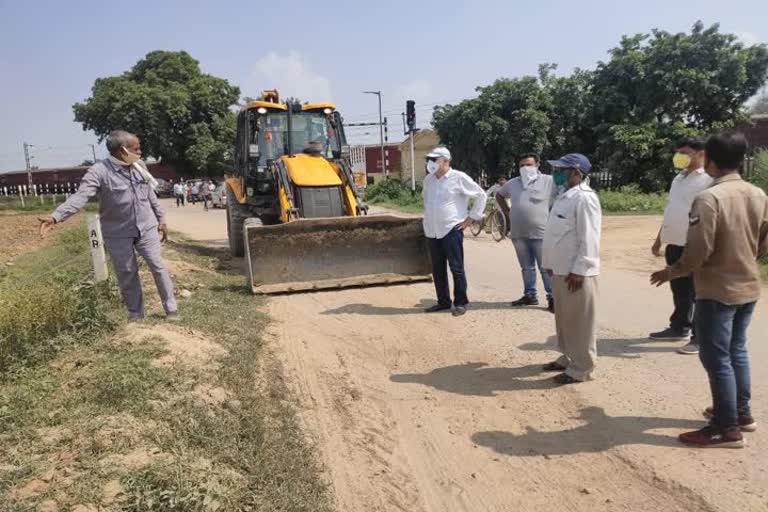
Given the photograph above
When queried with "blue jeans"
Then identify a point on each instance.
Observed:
(721, 331)
(449, 251)
(529, 256)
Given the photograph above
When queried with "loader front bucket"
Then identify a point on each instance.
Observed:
(314, 254)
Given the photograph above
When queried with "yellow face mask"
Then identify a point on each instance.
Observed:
(681, 161)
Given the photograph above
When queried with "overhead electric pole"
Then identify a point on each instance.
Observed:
(28, 160)
(381, 131)
(93, 149)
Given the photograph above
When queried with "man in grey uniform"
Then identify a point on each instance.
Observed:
(131, 218)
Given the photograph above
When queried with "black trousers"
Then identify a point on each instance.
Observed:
(449, 252)
(683, 293)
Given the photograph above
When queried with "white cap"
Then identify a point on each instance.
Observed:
(439, 152)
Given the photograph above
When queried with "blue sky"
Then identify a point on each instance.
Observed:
(433, 52)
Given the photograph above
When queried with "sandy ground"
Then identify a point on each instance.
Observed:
(419, 412)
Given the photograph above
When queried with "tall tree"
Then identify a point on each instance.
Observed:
(661, 86)
(181, 114)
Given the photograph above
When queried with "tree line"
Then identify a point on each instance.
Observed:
(653, 89)
(625, 114)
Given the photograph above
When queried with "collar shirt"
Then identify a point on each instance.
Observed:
(727, 234)
(684, 189)
(572, 235)
(529, 205)
(446, 202)
(128, 206)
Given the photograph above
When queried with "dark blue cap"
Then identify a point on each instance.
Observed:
(574, 160)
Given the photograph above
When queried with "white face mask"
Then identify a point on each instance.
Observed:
(528, 172)
(431, 166)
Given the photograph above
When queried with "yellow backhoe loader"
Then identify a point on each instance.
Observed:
(295, 214)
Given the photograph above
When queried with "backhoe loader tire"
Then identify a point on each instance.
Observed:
(236, 216)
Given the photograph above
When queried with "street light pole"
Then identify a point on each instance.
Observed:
(93, 149)
(381, 132)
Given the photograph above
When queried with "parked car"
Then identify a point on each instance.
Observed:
(164, 188)
(219, 196)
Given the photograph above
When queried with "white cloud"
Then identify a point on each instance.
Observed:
(291, 76)
(748, 38)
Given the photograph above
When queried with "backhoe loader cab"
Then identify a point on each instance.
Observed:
(294, 210)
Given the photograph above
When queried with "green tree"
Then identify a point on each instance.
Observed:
(489, 132)
(658, 87)
(181, 114)
(544, 114)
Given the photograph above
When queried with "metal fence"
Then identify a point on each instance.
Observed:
(35, 190)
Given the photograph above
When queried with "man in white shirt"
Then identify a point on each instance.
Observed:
(178, 193)
(530, 196)
(447, 193)
(691, 179)
(571, 254)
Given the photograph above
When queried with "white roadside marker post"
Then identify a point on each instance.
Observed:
(97, 248)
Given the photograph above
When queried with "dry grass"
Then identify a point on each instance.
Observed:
(159, 417)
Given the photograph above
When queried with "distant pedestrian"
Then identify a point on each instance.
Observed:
(191, 194)
(132, 220)
(691, 179)
(491, 192)
(727, 233)
(447, 193)
(530, 197)
(206, 192)
(571, 253)
(178, 191)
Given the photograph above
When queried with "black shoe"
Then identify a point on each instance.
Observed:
(554, 366)
(670, 334)
(526, 301)
(551, 305)
(564, 379)
(437, 307)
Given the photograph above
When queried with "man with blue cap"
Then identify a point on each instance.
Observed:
(571, 254)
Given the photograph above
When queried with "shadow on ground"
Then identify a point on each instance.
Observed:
(477, 379)
(599, 432)
(628, 348)
(417, 309)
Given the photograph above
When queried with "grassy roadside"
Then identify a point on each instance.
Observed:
(628, 201)
(419, 208)
(33, 204)
(157, 417)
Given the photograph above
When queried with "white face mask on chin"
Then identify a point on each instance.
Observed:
(431, 166)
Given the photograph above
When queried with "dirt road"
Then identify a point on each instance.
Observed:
(419, 412)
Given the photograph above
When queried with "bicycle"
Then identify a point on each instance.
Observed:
(497, 221)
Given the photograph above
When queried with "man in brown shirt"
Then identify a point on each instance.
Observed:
(726, 235)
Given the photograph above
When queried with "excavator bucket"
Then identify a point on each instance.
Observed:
(339, 252)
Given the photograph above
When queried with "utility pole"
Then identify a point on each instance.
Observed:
(28, 160)
(93, 149)
(381, 131)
